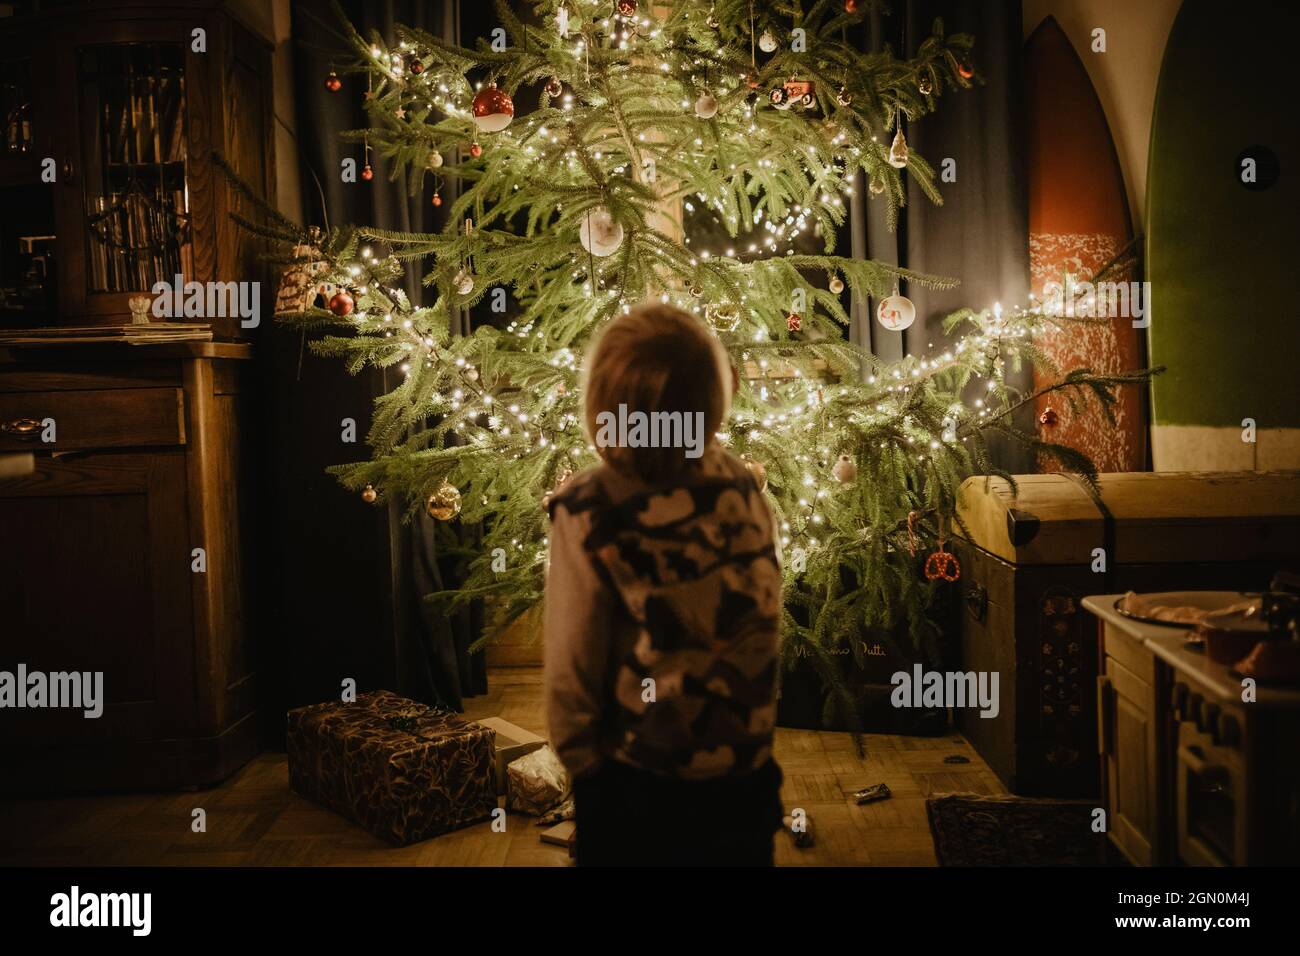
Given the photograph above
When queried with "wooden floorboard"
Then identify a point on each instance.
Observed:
(254, 820)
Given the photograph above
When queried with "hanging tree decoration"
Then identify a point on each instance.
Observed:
(942, 565)
(898, 148)
(493, 110)
(342, 303)
(444, 504)
(896, 312)
(600, 233)
(706, 106)
(845, 470)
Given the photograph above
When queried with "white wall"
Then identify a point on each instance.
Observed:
(1124, 76)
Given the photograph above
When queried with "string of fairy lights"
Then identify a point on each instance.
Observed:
(418, 90)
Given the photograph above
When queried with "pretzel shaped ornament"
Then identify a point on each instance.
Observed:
(942, 565)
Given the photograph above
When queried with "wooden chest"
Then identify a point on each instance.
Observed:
(1033, 558)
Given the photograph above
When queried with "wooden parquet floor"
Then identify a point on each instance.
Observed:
(254, 820)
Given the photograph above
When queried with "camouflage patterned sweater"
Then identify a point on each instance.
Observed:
(677, 585)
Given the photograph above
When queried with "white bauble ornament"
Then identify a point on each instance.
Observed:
(896, 312)
(600, 233)
(844, 470)
(435, 160)
(767, 42)
(706, 107)
(464, 282)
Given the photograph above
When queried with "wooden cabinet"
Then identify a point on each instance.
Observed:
(1132, 747)
(97, 564)
(1197, 772)
(115, 113)
(107, 171)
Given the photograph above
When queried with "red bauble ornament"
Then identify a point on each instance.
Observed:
(626, 7)
(437, 200)
(333, 83)
(342, 303)
(493, 109)
(1049, 418)
(367, 173)
(850, 6)
(415, 65)
(475, 150)
(966, 70)
(794, 321)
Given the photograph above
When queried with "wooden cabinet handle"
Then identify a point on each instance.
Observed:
(24, 429)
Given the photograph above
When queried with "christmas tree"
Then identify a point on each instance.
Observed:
(761, 113)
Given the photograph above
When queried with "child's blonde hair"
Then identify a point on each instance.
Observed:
(656, 358)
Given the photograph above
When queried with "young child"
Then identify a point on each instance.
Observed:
(663, 604)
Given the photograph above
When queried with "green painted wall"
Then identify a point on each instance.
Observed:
(1223, 261)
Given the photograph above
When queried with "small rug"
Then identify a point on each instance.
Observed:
(974, 830)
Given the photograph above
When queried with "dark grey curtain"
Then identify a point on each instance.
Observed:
(980, 234)
(352, 577)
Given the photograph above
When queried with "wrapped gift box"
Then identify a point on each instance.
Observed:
(401, 770)
(511, 743)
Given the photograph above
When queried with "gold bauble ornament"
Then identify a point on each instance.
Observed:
(444, 504)
(724, 317)
(369, 495)
(836, 285)
(876, 187)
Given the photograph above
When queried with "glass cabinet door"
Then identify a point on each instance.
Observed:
(28, 275)
(131, 118)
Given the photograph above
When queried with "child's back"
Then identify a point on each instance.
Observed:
(663, 608)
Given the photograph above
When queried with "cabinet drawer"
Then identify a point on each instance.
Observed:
(101, 418)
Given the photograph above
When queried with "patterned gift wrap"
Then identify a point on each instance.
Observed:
(401, 770)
